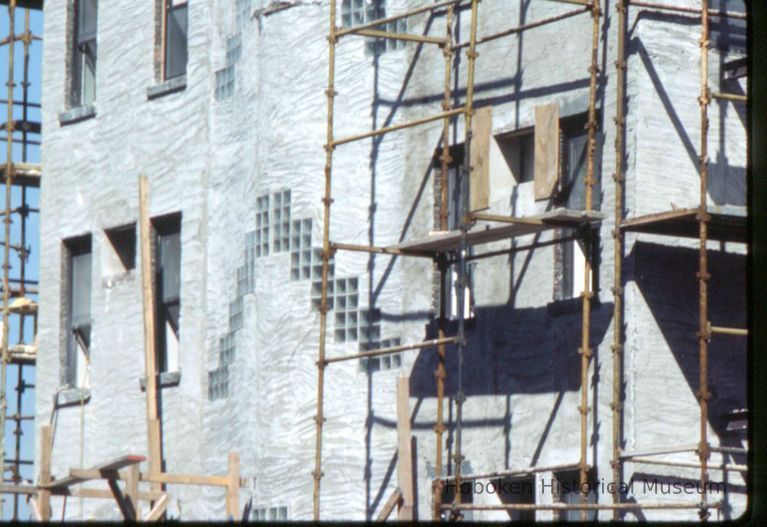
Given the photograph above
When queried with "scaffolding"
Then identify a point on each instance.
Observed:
(19, 324)
(453, 247)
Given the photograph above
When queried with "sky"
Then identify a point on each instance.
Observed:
(32, 155)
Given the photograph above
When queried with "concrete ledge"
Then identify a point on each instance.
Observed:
(167, 379)
(72, 396)
(165, 88)
(75, 115)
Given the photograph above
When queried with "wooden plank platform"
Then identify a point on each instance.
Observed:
(486, 232)
(27, 174)
(98, 472)
(23, 353)
(728, 223)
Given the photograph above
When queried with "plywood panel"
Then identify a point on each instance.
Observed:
(479, 181)
(546, 150)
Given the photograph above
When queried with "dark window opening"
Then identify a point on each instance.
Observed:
(517, 490)
(457, 195)
(467, 496)
(84, 48)
(518, 150)
(168, 289)
(78, 311)
(123, 241)
(176, 29)
(574, 152)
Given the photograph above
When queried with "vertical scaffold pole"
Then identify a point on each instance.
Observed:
(464, 248)
(704, 333)
(326, 201)
(587, 294)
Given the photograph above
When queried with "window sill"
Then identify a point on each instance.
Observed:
(75, 115)
(174, 85)
(569, 305)
(72, 396)
(167, 379)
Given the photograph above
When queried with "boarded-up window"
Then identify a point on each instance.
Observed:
(482, 132)
(546, 150)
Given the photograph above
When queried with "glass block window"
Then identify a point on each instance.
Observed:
(356, 12)
(246, 275)
(281, 221)
(370, 329)
(227, 349)
(235, 314)
(262, 226)
(317, 279)
(270, 513)
(301, 250)
(382, 45)
(384, 362)
(233, 49)
(225, 83)
(218, 383)
(243, 13)
(346, 301)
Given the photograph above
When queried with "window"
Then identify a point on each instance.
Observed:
(78, 311)
(518, 150)
(384, 362)
(123, 241)
(281, 221)
(84, 47)
(455, 196)
(301, 250)
(175, 44)
(517, 490)
(168, 285)
(346, 300)
(271, 513)
(467, 496)
(571, 256)
(357, 12)
(568, 491)
(262, 225)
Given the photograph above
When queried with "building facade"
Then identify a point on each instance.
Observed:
(222, 105)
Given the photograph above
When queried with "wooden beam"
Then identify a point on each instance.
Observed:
(153, 423)
(108, 470)
(424, 39)
(233, 487)
(184, 479)
(394, 499)
(34, 508)
(85, 492)
(131, 490)
(404, 451)
(44, 497)
(125, 505)
(158, 510)
(479, 153)
(546, 150)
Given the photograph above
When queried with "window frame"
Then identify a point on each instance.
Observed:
(78, 332)
(80, 55)
(168, 8)
(165, 228)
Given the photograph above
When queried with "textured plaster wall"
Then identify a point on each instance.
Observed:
(211, 159)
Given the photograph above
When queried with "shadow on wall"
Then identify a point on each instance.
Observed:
(511, 351)
(727, 183)
(666, 279)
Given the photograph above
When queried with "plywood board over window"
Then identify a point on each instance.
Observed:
(546, 150)
(479, 180)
